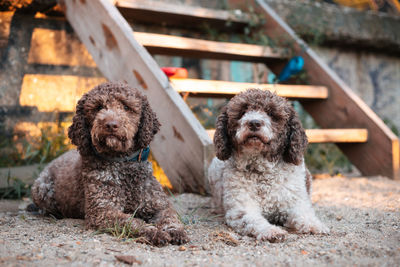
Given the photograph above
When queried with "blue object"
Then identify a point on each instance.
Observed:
(271, 78)
(295, 65)
(142, 155)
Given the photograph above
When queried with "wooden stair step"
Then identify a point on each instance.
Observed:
(190, 47)
(181, 15)
(337, 135)
(211, 88)
(330, 135)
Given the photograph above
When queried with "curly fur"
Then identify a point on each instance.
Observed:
(259, 177)
(96, 182)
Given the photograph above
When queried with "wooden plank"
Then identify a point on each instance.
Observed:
(181, 15)
(330, 135)
(343, 108)
(211, 88)
(190, 47)
(182, 147)
(337, 135)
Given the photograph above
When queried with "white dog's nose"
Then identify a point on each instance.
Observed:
(254, 125)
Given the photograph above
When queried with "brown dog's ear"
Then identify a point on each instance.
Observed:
(79, 132)
(296, 140)
(222, 140)
(148, 127)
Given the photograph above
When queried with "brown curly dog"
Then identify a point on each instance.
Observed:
(109, 180)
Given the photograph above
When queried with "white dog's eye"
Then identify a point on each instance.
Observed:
(126, 107)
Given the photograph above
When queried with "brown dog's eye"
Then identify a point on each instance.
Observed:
(126, 107)
(99, 107)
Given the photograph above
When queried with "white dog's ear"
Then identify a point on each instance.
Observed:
(296, 140)
(222, 139)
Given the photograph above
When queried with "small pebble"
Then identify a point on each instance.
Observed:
(182, 248)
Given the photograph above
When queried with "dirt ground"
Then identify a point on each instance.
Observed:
(363, 215)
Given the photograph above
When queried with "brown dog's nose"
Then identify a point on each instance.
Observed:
(254, 125)
(112, 125)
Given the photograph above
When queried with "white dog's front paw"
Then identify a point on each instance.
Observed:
(316, 227)
(320, 229)
(272, 234)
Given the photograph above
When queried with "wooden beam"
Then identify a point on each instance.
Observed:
(343, 108)
(190, 47)
(182, 147)
(207, 88)
(181, 15)
(330, 135)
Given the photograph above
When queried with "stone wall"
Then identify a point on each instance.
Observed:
(363, 48)
(45, 69)
(373, 77)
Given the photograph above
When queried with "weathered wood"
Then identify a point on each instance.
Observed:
(211, 88)
(343, 108)
(190, 47)
(181, 15)
(330, 135)
(182, 147)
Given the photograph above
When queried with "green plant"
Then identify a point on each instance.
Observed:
(123, 231)
(21, 149)
(16, 189)
(322, 157)
(24, 150)
(326, 158)
(206, 113)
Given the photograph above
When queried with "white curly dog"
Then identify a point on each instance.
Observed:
(259, 179)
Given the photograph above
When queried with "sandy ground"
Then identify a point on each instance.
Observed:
(363, 215)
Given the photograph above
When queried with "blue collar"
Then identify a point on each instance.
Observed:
(140, 155)
(137, 156)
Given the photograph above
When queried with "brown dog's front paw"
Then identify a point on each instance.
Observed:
(178, 236)
(156, 236)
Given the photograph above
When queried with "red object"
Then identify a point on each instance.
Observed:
(173, 72)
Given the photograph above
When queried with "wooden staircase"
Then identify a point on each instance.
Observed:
(183, 147)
